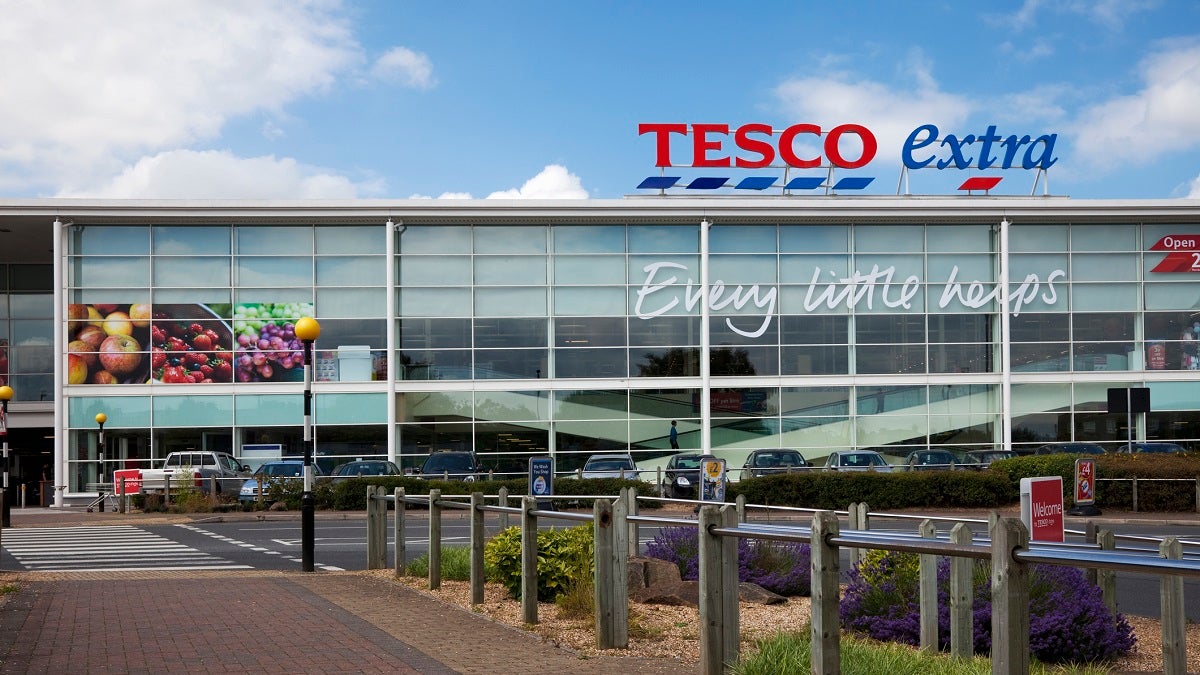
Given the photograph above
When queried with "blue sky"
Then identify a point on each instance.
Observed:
(327, 99)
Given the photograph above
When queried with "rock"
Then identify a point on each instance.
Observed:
(748, 592)
(278, 506)
(657, 582)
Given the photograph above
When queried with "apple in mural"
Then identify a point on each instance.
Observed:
(84, 350)
(92, 336)
(119, 354)
(140, 315)
(104, 377)
(77, 312)
(118, 323)
(77, 369)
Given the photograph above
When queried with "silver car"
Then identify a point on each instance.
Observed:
(617, 465)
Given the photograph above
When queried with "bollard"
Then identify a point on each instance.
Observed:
(632, 533)
(719, 620)
(1010, 599)
(962, 590)
(927, 575)
(212, 489)
(1174, 620)
(824, 617)
(435, 540)
(376, 528)
(529, 572)
(124, 505)
(1107, 579)
(398, 495)
(166, 490)
(1090, 531)
(502, 500)
(477, 541)
(740, 504)
(658, 480)
(1135, 500)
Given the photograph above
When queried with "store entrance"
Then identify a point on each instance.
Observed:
(31, 466)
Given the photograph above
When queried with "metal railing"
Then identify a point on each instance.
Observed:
(615, 522)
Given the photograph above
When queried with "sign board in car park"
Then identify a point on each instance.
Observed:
(1085, 481)
(712, 480)
(541, 479)
(1042, 508)
(132, 481)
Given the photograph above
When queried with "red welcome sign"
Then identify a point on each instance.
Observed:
(1042, 508)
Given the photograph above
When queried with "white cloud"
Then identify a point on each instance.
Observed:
(100, 84)
(1195, 192)
(1111, 13)
(212, 174)
(891, 113)
(403, 65)
(554, 182)
(1157, 119)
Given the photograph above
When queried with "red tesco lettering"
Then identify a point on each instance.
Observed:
(758, 148)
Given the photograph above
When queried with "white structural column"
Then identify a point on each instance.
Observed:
(390, 342)
(705, 360)
(1005, 343)
(60, 347)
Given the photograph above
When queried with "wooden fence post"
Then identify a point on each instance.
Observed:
(824, 614)
(124, 497)
(1135, 499)
(1174, 620)
(529, 571)
(401, 552)
(1090, 532)
(477, 540)
(611, 576)
(435, 540)
(632, 531)
(740, 505)
(376, 529)
(927, 575)
(962, 594)
(719, 620)
(502, 500)
(1107, 579)
(1010, 599)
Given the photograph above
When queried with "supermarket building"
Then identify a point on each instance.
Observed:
(567, 328)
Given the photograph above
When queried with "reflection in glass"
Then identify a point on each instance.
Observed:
(191, 240)
(274, 240)
(890, 359)
(575, 363)
(672, 362)
(508, 364)
(587, 404)
(435, 333)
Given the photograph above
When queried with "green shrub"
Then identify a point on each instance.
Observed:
(456, 564)
(564, 559)
(578, 601)
(833, 490)
(1153, 495)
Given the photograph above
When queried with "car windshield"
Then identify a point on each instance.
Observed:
(365, 468)
(608, 464)
(994, 456)
(778, 459)
(862, 459)
(448, 462)
(284, 470)
(687, 463)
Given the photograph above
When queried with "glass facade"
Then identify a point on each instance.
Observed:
(581, 331)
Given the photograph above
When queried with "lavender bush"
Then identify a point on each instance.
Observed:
(1069, 622)
(779, 567)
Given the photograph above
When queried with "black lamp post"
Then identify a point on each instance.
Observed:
(101, 418)
(308, 330)
(6, 393)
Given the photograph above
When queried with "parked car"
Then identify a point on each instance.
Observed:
(196, 467)
(1157, 446)
(451, 465)
(1071, 448)
(616, 465)
(856, 460)
(366, 467)
(279, 469)
(681, 477)
(931, 460)
(989, 456)
(767, 462)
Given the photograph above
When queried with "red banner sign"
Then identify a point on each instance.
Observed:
(1183, 256)
(1042, 508)
(1085, 481)
(133, 481)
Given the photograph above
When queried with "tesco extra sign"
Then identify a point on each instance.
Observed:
(752, 146)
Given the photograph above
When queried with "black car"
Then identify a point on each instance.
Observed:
(767, 462)
(681, 478)
(366, 467)
(931, 460)
(1071, 448)
(1159, 446)
(451, 465)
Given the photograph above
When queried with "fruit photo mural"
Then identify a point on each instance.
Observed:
(267, 349)
(191, 344)
(3, 362)
(108, 343)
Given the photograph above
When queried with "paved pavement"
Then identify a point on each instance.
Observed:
(268, 622)
(274, 622)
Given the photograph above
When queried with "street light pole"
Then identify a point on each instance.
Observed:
(6, 393)
(101, 418)
(308, 330)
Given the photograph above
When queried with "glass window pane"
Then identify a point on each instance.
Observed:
(496, 239)
(442, 270)
(589, 300)
(814, 238)
(268, 409)
(191, 272)
(1037, 357)
(664, 362)
(591, 269)
(332, 408)
(413, 302)
(362, 303)
(1104, 238)
(877, 430)
(589, 332)
(590, 405)
(959, 238)
(1037, 238)
(435, 333)
(124, 412)
(664, 331)
(274, 240)
(434, 364)
(515, 301)
(336, 332)
(960, 358)
(111, 271)
(510, 270)
(1098, 297)
(887, 359)
(351, 271)
(907, 328)
(193, 411)
(351, 239)
(434, 239)
(741, 361)
(30, 278)
(664, 238)
(31, 305)
(742, 269)
(257, 296)
(1104, 267)
(590, 363)
(274, 271)
(809, 329)
(589, 239)
(742, 239)
(1180, 296)
(123, 240)
(433, 406)
(815, 401)
(188, 240)
(512, 406)
(201, 296)
(799, 269)
(510, 364)
(889, 238)
(506, 333)
(814, 360)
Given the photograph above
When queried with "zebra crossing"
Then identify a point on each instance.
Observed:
(111, 548)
